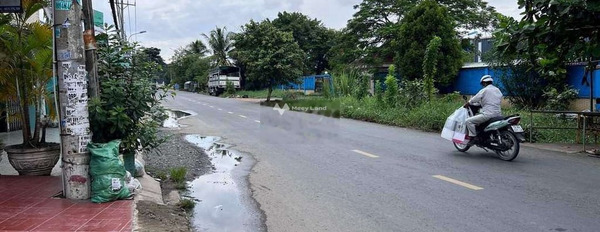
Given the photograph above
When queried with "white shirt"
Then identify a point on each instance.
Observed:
(490, 99)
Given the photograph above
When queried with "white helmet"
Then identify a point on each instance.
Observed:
(486, 78)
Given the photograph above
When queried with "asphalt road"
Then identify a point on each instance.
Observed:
(322, 174)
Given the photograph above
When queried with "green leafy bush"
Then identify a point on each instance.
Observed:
(379, 93)
(129, 105)
(411, 93)
(362, 87)
(229, 88)
(391, 91)
(524, 86)
(560, 100)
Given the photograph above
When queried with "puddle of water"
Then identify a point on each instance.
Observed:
(219, 202)
(174, 116)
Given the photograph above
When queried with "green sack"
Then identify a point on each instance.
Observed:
(107, 172)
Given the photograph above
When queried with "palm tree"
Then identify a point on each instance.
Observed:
(197, 47)
(220, 43)
(26, 68)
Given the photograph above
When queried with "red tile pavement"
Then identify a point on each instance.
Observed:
(27, 204)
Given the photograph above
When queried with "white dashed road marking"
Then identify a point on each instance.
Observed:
(365, 154)
(457, 182)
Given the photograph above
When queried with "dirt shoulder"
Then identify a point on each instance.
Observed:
(154, 217)
(174, 153)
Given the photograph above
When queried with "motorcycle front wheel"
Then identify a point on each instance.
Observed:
(510, 141)
(461, 147)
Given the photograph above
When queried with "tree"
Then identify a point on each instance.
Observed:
(270, 55)
(550, 34)
(197, 47)
(198, 71)
(152, 54)
(345, 51)
(420, 25)
(26, 69)
(430, 65)
(190, 64)
(519, 78)
(220, 44)
(312, 37)
(377, 22)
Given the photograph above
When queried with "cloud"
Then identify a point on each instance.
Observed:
(175, 23)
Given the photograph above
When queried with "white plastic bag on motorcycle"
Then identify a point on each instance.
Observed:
(455, 128)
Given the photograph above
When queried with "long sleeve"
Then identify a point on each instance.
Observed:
(476, 100)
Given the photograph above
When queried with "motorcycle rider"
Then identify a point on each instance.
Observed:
(489, 98)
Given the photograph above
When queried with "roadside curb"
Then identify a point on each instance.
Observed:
(151, 191)
(562, 148)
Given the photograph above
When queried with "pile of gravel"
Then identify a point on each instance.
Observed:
(177, 152)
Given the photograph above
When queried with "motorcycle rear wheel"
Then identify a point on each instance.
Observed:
(461, 147)
(509, 139)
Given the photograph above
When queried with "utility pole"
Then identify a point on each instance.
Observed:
(122, 19)
(72, 88)
(121, 5)
(89, 39)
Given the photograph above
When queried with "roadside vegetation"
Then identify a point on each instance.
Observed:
(419, 42)
(262, 94)
(178, 177)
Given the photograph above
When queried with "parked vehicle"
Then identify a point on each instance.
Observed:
(218, 78)
(502, 135)
(190, 86)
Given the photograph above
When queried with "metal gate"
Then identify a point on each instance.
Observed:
(13, 121)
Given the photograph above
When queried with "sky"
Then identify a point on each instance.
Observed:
(175, 23)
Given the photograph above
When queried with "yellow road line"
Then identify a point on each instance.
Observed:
(457, 182)
(365, 154)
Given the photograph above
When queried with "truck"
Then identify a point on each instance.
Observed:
(218, 78)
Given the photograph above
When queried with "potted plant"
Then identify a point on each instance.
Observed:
(25, 71)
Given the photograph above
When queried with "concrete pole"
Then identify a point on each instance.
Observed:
(89, 39)
(122, 20)
(73, 99)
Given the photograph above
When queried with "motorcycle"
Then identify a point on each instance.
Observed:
(502, 135)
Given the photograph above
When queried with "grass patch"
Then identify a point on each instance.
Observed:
(278, 93)
(186, 204)
(313, 105)
(181, 185)
(429, 116)
(162, 175)
(178, 174)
